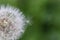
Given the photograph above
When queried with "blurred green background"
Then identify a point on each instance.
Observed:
(44, 16)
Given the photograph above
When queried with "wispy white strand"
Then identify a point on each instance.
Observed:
(15, 18)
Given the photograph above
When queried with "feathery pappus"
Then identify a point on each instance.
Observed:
(12, 23)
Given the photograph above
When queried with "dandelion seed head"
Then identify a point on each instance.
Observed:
(12, 23)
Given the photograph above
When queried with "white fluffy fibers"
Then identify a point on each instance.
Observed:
(12, 23)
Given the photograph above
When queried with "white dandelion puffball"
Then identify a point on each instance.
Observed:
(12, 23)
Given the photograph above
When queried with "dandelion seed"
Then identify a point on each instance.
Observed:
(12, 23)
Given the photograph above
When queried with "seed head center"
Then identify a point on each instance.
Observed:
(4, 23)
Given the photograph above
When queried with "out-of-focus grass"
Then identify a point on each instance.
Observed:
(36, 10)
